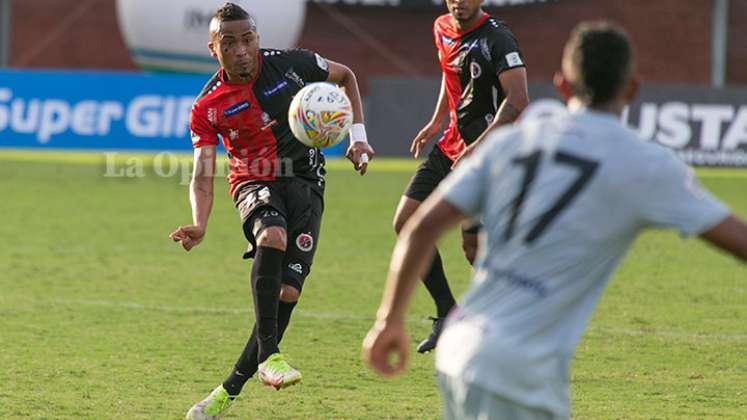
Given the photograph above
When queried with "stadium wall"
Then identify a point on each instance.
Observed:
(135, 111)
(673, 36)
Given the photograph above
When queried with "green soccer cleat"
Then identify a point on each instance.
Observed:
(213, 407)
(277, 373)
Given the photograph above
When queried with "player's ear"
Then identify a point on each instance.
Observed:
(211, 46)
(562, 85)
(631, 90)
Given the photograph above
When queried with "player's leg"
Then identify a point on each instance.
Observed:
(426, 179)
(246, 365)
(264, 227)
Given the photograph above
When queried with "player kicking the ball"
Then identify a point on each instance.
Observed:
(276, 182)
(562, 200)
(484, 84)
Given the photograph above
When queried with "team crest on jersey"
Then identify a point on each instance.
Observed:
(305, 242)
(237, 108)
(475, 70)
(233, 134)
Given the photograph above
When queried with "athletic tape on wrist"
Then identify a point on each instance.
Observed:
(358, 133)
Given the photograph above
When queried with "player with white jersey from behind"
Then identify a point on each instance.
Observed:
(562, 200)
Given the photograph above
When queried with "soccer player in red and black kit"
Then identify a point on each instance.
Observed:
(277, 183)
(483, 86)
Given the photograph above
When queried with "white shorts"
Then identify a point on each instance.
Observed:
(464, 401)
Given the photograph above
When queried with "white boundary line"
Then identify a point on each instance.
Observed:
(348, 317)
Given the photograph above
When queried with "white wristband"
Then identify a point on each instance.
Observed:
(358, 133)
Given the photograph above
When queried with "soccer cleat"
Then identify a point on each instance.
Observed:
(213, 407)
(430, 343)
(277, 373)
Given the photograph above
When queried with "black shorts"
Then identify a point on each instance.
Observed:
(291, 204)
(429, 174)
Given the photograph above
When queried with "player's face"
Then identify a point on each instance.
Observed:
(235, 45)
(464, 10)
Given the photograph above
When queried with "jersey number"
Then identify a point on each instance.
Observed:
(586, 169)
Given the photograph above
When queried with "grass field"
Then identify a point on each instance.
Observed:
(102, 317)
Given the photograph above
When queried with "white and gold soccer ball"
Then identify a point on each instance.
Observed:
(320, 115)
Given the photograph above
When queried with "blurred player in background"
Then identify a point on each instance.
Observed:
(277, 183)
(562, 200)
(484, 84)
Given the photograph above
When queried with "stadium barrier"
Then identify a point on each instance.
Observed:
(98, 110)
(705, 126)
(140, 111)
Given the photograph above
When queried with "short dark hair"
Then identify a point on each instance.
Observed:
(229, 12)
(597, 61)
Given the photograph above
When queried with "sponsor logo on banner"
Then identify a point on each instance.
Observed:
(702, 134)
(143, 116)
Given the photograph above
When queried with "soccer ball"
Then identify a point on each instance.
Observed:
(320, 115)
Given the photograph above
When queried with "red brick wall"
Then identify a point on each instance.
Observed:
(67, 34)
(736, 60)
(675, 50)
(673, 39)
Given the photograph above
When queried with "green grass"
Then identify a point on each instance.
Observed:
(101, 316)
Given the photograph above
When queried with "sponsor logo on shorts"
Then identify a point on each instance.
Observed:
(296, 267)
(305, 242)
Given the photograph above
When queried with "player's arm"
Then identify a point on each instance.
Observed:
(200, 198)
(514, 85)
(413, 253)
(433, 127)
(729, 235)
(359, 152)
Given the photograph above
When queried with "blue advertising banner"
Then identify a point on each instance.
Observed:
(98, 110)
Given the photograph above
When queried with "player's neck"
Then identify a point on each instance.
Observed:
(614, 108)
(238, 79)
(465, 25)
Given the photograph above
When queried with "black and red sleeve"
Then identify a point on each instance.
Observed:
(311, 66)
(203, 132)
(504, 50)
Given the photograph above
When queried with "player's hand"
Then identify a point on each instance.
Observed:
(465, 153)
(189, 236)
(424, 136)
(360, 153)
(382, 342)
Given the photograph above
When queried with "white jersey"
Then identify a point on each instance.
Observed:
(562, 200)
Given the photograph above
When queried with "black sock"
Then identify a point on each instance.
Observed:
(285, 309)
(266, 272)
(438, 287)
(246, 366)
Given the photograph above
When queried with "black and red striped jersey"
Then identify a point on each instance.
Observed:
(251, 119)
(471, 61)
